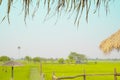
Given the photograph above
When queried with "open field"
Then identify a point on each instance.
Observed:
(31, 71)
(75, 69)
(20, 73)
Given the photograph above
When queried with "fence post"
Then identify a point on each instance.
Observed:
(40, 68)
(53, 74)
(115, 74)
(84, 76)
(42, 76)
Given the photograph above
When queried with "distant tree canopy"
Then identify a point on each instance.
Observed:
(78, 58)
(28, 58)
(4, 58)
(61, 60)
(36, 59)
(70, 7)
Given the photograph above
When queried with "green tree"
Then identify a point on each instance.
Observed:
(67, 61)
(78, 58)
(71, 57)
(36, 59)
(4, 58)
(28, 58)
(61, 60)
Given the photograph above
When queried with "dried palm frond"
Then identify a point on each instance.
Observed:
(8, 9)
(3, 19)
(0, 2)
(26, 5)
(58, 6)
(36, 8)
(79, 6)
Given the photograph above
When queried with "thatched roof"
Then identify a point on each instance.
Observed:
(112, 42)
(56, 6)
(12, 63)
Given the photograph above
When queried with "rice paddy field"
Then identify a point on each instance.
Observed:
(31, 71)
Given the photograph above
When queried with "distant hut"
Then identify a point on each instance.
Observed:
(112, 42)
(12, 64)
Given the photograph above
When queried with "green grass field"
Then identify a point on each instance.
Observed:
(20, 73)
(31, 71)
(75, 69)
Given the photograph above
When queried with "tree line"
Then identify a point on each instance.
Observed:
(73, 57)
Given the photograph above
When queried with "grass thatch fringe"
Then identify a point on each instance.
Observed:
(76, 6)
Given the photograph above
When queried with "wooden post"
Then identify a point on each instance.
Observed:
(40, 68)
(53, 76)
(115, 74)
(12, 73)
(84, 76)
(42, 77)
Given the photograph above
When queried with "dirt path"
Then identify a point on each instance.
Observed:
(34, 74)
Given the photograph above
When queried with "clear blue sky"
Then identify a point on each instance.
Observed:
(45, 39)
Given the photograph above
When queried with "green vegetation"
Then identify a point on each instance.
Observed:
(77, 58)
(75, 69)
(61, 61)
(4, 58)
(34, 74)
(22, 72)
(36, 59)
(32, 70)
(28, 58)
